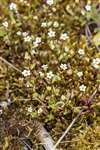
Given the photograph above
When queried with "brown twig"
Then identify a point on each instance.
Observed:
(44, 137)
(69, 127)
(9, 64)
(75, 119)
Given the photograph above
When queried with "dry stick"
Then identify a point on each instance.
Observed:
(90, 100)
(44, 137)
(9, 64)
(88, 34)
(69, 127)
(27, 145)
(74, 120)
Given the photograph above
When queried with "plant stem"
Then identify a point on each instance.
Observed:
(9, 64)
(69, 127)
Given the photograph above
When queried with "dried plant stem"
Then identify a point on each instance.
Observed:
(9, 64)
(90, 100)
(44, 137)
(27, 145)
(69, 127)
(74, 120)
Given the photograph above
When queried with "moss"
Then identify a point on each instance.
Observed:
(30, 37)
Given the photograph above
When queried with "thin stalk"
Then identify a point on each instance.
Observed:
(44, 137)
(69, 127)
(74, 120)
(9, 64)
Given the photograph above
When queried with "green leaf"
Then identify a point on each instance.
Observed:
(34, 114)
(2, 32)
(96, 39)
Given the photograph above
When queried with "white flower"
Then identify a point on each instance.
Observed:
(82, 88)
(33, 52)
(64, 36)
(26, 73)
(63, 97)
(88, 7)
(49, 23)
(13, 6)
(40, 110)
(19, 33)
(50, 2)
(66, 49)
(5, 24)
(96, 63)
(50, 75)
(51, 33)
(35, 17)
(56, 24)
(63, 66)
(3, 104)
(81, 51)
(29, 109)
(44, 24)
(45, 67)
(38, 40)
(27, 38)
(28, 84)
(25, 34)
(41, 74)
(80, 74)
(35, 44)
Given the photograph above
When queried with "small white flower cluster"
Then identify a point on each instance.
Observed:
(88, 7)
(63, 66)
(37, 41)
(51, 33)
(13, 6)
(64, 36)
(80, 74)
(50, 2)
(96, 63)
(82, 88)
(27, 37)
(50, 75)
(48, 24)
(81, 51)
(5, 24)
(26, 73)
